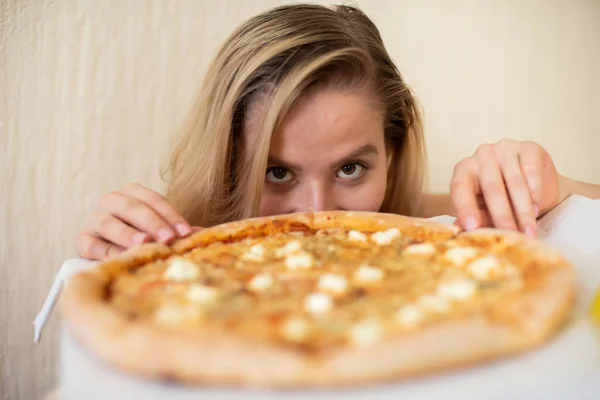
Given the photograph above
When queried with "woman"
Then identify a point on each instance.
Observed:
(303, 109)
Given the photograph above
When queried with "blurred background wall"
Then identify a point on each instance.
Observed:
(92, 90)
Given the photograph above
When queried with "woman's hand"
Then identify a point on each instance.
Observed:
(128, 217)
(505, 185)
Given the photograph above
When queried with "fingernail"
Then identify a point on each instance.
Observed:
(139, 237)
(470, 223)
(529, 232)
(536, 210)
(182, 229)
(164, 235)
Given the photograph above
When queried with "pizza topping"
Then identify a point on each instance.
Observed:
(368, 274)
(173, 314)
(325, 288)
(385, 237)
(300, 260)
(485, 268)
(318, 303)
(357, 236)
(181, 269)
(260, 282)
(294, 329)
(333, 283)
(290, 248)
(460, 255)
(409, 316)
(420, 248)
(458, 289)
(435, 303)
(255, 253)
(201, 294)
(366, 333)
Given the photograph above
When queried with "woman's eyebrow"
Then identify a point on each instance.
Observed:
(280, 163)
(365, 150)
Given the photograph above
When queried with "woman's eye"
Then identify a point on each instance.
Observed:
(278, 175)
(351, 171)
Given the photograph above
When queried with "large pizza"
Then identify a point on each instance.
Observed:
(319, 299)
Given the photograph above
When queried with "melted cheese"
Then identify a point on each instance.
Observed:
(485, 268)
(300, 260)
(333, 283)
(255, 253)
(460, 255)
(173, 314)
(181, 269)
(368, 274)
(366, 333)
(318, 303)
(289, 248)
(385, 237)
(420, 248)
(260, 282)
(357, 236)
(435, 303)
(409, 316)
(202, 294)
(459, 289)
(294, 329)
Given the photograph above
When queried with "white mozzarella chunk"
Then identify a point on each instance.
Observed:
(485, 267)
(460, 255)
(294, 329)
(357, 236)
(181, 269)
(435, 303)
(255, 253)
(368, 274)
(173, 314)
(385, 237)
(333, 283)
(202, 294)
(300, 260)
(366, 333)
(420, 248)
(260, 282)
(289, 248)
(318, 303)
(455, 229)
(409, 316)
(458, 289)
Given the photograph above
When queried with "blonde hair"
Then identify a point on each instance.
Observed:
(214, 176)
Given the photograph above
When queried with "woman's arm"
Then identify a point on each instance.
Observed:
(570, 186)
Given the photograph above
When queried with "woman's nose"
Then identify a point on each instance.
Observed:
(315, 197)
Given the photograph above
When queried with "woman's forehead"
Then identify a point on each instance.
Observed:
(325, 121)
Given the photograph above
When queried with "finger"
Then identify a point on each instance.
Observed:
(486, 219)
(137, 214)
(532, 162)
(159, 204)
(494, 192)
(483, 216)
(463, 191)
(519, 194)
(115, 231)
(196, 229)
(93, 248)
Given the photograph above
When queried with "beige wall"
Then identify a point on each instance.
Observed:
(94, 89)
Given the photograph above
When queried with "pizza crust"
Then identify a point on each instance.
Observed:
(202, 356)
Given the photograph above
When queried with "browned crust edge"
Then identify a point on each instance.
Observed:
(203, 357)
